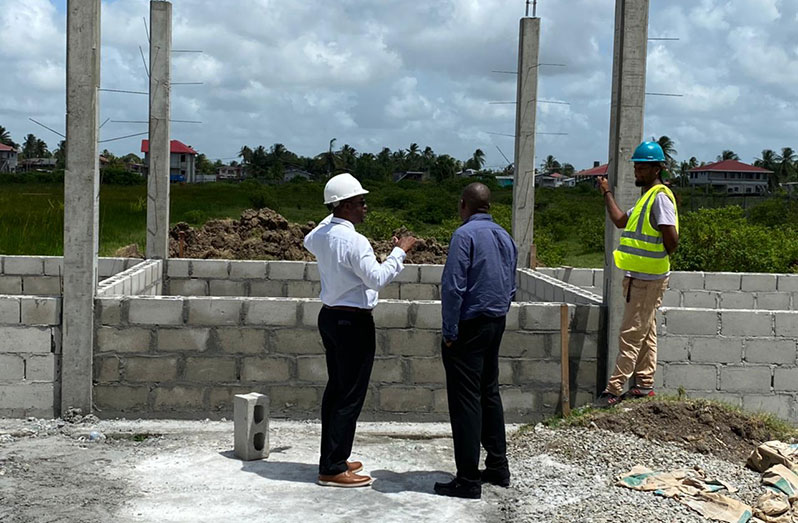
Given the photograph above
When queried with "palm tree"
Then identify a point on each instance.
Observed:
(769, 161)
(668, 147)
(478, 159)
(277, 152)
(5, 137)
(786, 167)
(29, 146)
(348, 155)
(412, 156)
(550, 165)
(728, 155)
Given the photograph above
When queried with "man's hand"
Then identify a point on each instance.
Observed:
(405, 243)
(603, 185)
(448, 343)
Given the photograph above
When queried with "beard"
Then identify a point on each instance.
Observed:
(639, 183)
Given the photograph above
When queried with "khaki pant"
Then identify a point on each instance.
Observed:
(637, 343)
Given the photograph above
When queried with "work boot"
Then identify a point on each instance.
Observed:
(345, 479)
(638, 392)
(458, 488)
(354, 466)
(606, 400)
(498, 477)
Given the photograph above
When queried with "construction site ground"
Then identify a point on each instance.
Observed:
(168, 470)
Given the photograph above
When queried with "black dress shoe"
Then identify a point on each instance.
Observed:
(459, 489)
(498, 477)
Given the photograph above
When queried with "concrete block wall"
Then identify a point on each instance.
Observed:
(188, 356)
(30, 339)
(540, 286)
(42, 275)
(281, 279)
(145, 278)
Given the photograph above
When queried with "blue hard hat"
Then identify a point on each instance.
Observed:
(648, 152)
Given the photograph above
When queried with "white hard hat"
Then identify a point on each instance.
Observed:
(341, 187)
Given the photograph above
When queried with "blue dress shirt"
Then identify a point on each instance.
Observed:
(479, 276)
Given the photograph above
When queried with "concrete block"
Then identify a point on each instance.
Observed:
(302, 289)
(251, 426)
(586, 318)
(271, 311)
(128, 339)
(180, 398)
(120, 398)
(312, 368)
(598, 278)
(722, 281)
(392, 314)
(578, 277)
(296, 341)
(41, 311)
(248, 270)
(192, 287)
(519, 400)
(427, 370)
(214, 311)
(580, 347)
(773, 301)
(221, 398)
(746, 323)
(689, 281)
(23, 265)
(27, 399)
(227, 288)
(312, 272)
(390, 292)
(219, 269)
(185, 339)
(156, 311)
(41, 285)
(430, 273)
(387, 370)
(12, 367)
(540, 316)
(150, 369)
(310, 313)
(691, 377)
(717, 350)
(758, 282)
(785, 378)
(237, 340)
(10, 310)
(210, 370)
(770, 350)
(26, 339)
(513, 318)
(427, 315)
(691, 321)
(520, 344)
(787, 323)
(287, 270)
(539, 372)
(53, 265)
(177, 267)
(412, 342)
(410, 274)
(418, 291)
(673, 348)
(10, 284)
(266, 369)
(406, 399)
(748, 378)
(506, 372)
(440, 401)
(110, 266)
(267, 289)
(295, 398)
(782, 406)
(672, 298)
(41, 367)
(106, 370)
(736, 300)
(700, 299)
(787, 282)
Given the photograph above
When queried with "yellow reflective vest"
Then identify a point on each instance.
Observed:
(641, 248)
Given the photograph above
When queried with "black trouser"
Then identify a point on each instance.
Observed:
(472, 387)
(349, 345)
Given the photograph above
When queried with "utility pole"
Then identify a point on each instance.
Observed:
(81, 203)
(626, 132)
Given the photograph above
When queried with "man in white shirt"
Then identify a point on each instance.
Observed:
(351, 276)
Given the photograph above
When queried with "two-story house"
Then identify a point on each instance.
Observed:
(730, 176)
(8, 159)
(182, 161)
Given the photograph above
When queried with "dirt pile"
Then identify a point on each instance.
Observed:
(265, 235)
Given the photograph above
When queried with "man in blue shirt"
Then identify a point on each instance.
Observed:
(477, 286)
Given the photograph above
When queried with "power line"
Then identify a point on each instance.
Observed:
(187, 83)
(664, 38)
(105, 122)
(538, 101)
(146, 30)
(146, 70)
(122, 91)
(664, 94)
(122, 137)
(185, 51)
(48, 128)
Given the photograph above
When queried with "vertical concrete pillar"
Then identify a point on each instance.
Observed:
(525, 112)
(158, 177)
(81, 203)
(626, 132)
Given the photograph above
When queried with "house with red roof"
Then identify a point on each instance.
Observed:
(731, 177)
(8, 158)
(182, 161)
(593, 173)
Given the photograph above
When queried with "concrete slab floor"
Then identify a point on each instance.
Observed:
(175, 471)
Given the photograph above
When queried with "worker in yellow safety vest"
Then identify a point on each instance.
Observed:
(650, 236)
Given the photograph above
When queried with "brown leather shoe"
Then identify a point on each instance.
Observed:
(354, 466)
(345, 479)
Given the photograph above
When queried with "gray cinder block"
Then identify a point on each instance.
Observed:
(251, 425)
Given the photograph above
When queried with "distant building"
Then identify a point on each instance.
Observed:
(554, 180)
(291, 173)
(504, 181)
(593, 173)
(731, 177)
(416, 176)
(182, 161)
(467, 173)
(8, 158)
(230, 172)
(36, 164)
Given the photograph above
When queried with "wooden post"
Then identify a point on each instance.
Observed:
(533, 256)
(565, 391)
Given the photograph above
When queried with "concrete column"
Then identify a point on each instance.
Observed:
(158, 178)
(626, 132)
(81, 203)
(525, 111)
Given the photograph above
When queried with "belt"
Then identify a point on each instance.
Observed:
(347, 309)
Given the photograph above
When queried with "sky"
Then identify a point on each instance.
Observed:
(390, 73)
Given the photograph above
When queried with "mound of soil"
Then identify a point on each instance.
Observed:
(695, 425)
(265, 235)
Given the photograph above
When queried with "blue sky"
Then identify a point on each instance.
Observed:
(373, 74)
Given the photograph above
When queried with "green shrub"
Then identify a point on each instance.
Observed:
(379, 225)
(120, 176)
(591, 233)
